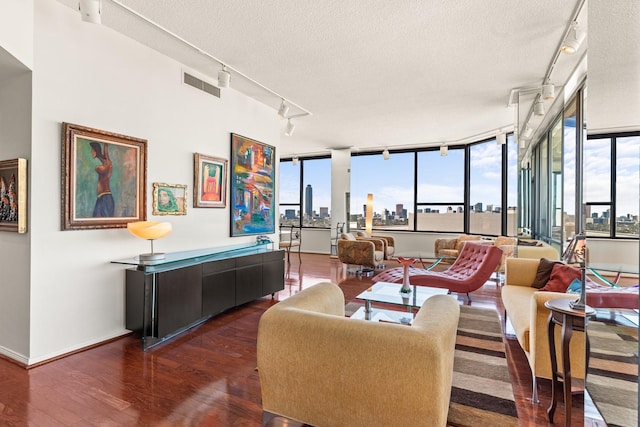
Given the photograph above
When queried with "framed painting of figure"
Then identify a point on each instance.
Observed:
(103, 178)
(209, 182)
(13, 195)
(252, 186)
(169, 199)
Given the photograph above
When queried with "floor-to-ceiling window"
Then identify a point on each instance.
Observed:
(485, 188)
(391, 183)
(555, 185)
(289, 194)
(461, 189)
(612, 185)
(440, 191)
(305, 192)
(569, 225)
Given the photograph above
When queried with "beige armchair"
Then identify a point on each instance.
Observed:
(320, 368)
(360, 252)
(389, 242)
(450, 248)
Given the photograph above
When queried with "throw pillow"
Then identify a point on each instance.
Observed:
(527, 243)
(544, 273)
(561, 277)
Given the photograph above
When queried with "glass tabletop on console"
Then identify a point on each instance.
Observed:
(389, 293)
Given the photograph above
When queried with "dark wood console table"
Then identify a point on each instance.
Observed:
(570, 320)
(166, 297)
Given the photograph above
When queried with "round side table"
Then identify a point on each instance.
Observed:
(570, 320)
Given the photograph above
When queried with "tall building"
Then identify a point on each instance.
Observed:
(308, 201)
(324, 212)
(290, 213)
(478, 207)
(399, 207)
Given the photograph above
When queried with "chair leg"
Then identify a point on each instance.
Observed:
(299, 258)
(534, 395)
(288, 252)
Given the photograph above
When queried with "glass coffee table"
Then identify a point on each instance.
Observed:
(389, 293)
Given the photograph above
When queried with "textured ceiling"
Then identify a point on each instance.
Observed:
(373, 74)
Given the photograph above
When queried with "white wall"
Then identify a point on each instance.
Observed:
(15, 141)
(90, 75)
(16, 29)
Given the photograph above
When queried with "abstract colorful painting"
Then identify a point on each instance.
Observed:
(252, 186)
(13, 195)
(104, 178)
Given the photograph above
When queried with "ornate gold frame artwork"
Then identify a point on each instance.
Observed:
(13, 195)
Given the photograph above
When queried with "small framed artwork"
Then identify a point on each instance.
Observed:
(252, 186)
(169, 199)
(103, 178)
(13, 195)
(209, 181)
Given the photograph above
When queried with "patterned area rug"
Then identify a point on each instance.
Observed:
(612, 380)
(481, 392)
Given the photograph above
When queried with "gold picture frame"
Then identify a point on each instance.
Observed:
(209, 181)
(104, 178)
(169, 199)
(13, 195)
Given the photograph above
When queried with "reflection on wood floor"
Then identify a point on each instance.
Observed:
(206, 376)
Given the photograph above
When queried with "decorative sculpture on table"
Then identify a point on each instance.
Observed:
(406, 262)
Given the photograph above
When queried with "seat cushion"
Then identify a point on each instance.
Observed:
(517, 303)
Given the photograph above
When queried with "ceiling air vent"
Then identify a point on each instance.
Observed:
(202, 85)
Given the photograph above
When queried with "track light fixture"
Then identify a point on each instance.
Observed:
(501, 138)
(90, 11)
(288, 131)
(283, 110)
(573, 40)
(294, 160)
(548, 91)
(444, 150)
(224, 77)
(538, 108)
(527, 131)
(385, 154)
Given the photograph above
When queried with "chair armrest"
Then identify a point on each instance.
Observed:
(380, 244)
(388, 239)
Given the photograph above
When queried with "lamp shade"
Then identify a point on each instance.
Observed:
(385, 154)
(149, 230)
(444, 150)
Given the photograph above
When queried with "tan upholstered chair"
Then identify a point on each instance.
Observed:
(360, 252)
(321, 368)
(450, 248)
(508, 246)
(389, 242)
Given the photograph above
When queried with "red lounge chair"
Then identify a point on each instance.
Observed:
(469, 272)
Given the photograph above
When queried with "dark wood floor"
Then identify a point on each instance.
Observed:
(205, 377)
